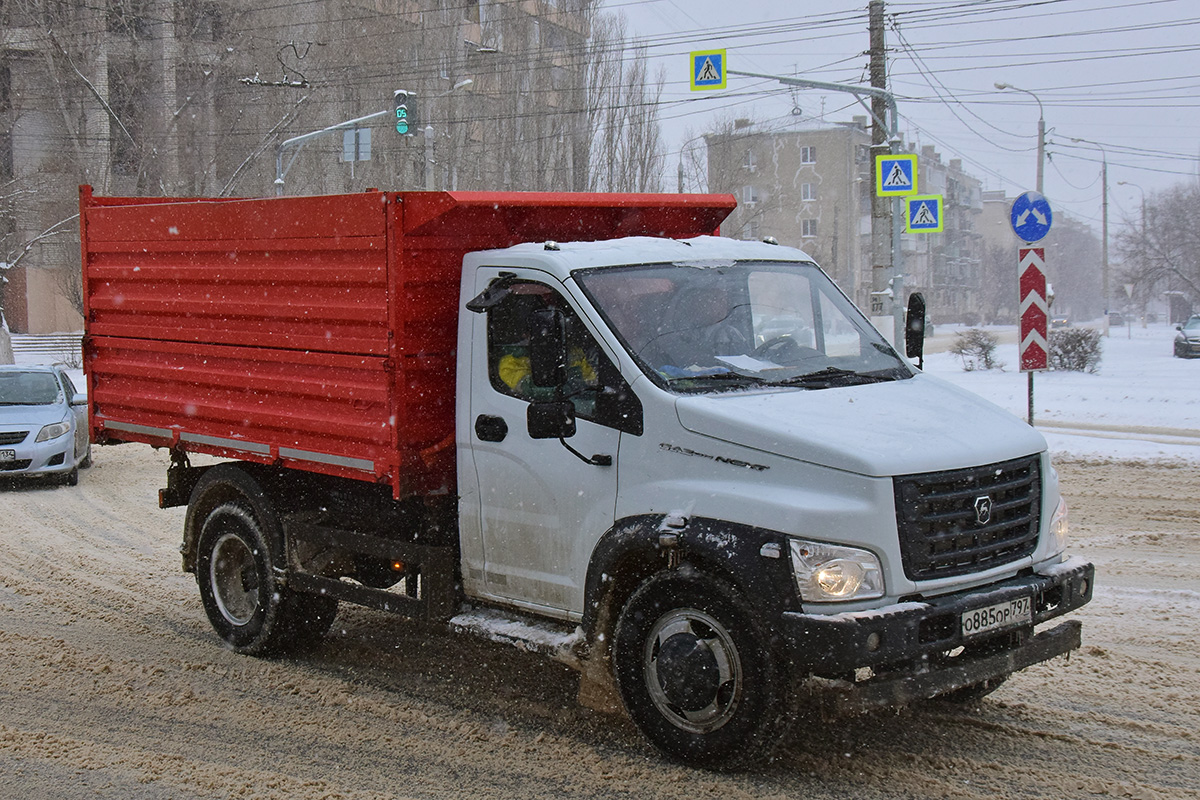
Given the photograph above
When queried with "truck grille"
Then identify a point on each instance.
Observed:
(13, 437)
(968, 520)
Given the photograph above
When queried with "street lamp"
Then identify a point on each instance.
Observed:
(428, 131)
(1041, 134)
(1104, 220)
(1143, 245)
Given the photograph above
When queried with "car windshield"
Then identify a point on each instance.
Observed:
(716, 327)
(1193, 324)
(28, 389)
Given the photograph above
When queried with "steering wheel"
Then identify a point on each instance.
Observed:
(783, 350)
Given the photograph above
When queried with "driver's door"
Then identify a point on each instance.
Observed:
(541, 507)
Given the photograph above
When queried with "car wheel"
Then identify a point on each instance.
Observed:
(243, 601)
(87, 459)
(71, 478)
(696, 673)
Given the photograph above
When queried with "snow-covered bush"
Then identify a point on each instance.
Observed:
(1075, 349)
(977, 349)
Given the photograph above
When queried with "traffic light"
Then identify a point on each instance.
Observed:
(404, 120)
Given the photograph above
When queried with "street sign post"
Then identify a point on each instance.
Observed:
(1035, 348)
(924, 214)
(708, 69)
(895, 175)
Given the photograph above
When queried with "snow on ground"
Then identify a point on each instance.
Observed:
(1143, 403)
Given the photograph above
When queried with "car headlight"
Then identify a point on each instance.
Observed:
(53, 431)
(828, 573)
(1058, 526)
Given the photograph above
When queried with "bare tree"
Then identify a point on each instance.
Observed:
(1163, 252)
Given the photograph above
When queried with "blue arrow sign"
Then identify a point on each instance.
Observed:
(1031, 216)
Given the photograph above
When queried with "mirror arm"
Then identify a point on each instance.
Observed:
(597, 460)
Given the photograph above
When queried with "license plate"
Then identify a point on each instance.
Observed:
(997, 617)
(8, 455)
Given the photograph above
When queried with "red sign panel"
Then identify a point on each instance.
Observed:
(1034, 311)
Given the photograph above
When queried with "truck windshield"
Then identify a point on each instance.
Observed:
(740, 325)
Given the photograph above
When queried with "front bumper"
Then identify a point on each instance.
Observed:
(904, 644)
(38, 458)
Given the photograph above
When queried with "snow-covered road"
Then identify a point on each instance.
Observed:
(113, 685)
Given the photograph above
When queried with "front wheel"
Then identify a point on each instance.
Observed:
(696, 674)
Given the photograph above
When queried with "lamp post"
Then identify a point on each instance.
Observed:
(427, 132)
(1041, 131)
(1143, 246)
(1104, 221)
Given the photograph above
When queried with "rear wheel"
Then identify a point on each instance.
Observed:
(247, 607)
(696, 673)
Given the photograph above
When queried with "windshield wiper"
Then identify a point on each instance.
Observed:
(836, 376)
(732, 377)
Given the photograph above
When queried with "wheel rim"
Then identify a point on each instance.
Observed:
(692, 670)
(233, 576)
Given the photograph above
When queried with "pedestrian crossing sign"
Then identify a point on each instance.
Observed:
(708, 69)
(923, 214)
(895, 175)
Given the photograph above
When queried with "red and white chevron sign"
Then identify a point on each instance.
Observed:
(1034, 311)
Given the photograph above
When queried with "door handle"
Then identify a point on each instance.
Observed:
(490, 428)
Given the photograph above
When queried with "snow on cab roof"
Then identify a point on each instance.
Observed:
(566, 257)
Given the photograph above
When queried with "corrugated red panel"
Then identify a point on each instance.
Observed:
(315, 332)
(302, 275)
(257, 403)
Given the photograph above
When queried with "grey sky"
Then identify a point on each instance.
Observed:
(1123, 74)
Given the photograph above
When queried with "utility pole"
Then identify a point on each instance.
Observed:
(887, 281)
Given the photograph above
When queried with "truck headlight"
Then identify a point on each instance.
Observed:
(1058, 526)
(827, 573)
(53, 431)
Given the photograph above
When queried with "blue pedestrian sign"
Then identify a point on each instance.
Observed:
(708, 69)
(1031, 216)
(924, 214)
(895, 175)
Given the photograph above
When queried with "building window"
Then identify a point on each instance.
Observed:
(808, 228)
(808, 191)
(750, 164)
(749, 195)
(808, 155)
(750, 230)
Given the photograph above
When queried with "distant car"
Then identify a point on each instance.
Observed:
(1116, 318)
(1187, 340)
(43, 424)
(1060, 322)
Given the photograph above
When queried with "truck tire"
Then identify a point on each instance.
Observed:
(697, 674)
(247, 607)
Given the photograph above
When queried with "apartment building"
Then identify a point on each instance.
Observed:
(191, 98)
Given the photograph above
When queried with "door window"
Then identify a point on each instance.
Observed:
(593, 384)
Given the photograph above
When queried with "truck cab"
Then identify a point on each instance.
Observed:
(700, 451)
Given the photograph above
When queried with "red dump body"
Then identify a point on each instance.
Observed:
(311, 332)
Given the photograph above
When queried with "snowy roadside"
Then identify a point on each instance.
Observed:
(1143, 404)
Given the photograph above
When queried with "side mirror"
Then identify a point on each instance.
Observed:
(79, 399)
(914, 327)
(548, 348)
(552, 420)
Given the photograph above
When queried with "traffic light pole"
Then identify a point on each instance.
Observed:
(299, 141)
